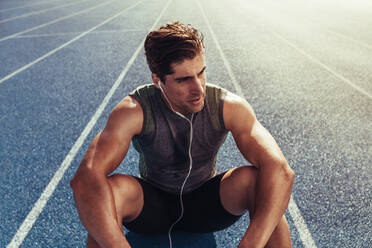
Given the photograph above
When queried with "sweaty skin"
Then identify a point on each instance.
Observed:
(274, 177)
(264, 190)
(185, 88)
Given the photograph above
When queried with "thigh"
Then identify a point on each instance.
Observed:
(159, 211)
(204, 211)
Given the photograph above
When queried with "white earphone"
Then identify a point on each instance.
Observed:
(190, 167)
(170, 104)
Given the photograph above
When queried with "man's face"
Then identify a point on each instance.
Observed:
(185, 88)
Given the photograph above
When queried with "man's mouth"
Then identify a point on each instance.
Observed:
(196, 101)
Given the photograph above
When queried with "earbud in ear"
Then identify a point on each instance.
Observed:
(166, 98)
(160, 86)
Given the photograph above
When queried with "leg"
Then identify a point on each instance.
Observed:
(160, 209)
(204, 212)
(128, 197)
(238, 191)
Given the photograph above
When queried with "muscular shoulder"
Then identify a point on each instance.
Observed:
(237, 113)
(126, 118)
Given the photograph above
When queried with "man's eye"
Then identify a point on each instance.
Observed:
(202, 72)
(182, 80)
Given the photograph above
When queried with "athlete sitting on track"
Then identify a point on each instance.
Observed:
(177, 124)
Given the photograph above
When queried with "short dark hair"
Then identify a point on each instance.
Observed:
(171, 43)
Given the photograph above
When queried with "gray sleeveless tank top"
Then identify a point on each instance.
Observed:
(164, 140)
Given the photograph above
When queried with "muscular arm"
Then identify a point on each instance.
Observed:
(275, 177)
(92, 192)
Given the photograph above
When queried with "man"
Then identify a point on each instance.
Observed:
(177, 125)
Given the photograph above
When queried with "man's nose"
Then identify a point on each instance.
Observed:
(197, 86)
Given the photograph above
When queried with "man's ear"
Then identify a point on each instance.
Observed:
(155, 79)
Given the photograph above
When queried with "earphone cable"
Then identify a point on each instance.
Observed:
(184, 182)
(190, 167)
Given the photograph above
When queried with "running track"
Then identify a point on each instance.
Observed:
(305, 67)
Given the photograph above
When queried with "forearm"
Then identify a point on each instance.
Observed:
(95, 204)
(273, 190)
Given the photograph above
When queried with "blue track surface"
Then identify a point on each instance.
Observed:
(304, 66)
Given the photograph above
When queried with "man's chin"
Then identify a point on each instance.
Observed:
(196, 109)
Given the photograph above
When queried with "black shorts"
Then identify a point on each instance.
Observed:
(203, 210)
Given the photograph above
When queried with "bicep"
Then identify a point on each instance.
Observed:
(105, 153)
(110, 146)
(253, 140)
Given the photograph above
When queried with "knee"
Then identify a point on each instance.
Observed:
(128, 196)
(126, 186)
(245, 177)
(238, 189)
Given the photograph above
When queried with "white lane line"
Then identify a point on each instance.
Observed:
(316, 61)
(305, 235)
(55, 21)
(312, 20)
(48, 191)
(361, 43)
(64, 45)
(300, 224)
(222, 54)
(40, 11)
(28, 5)
(225, 61)
(75, 33)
